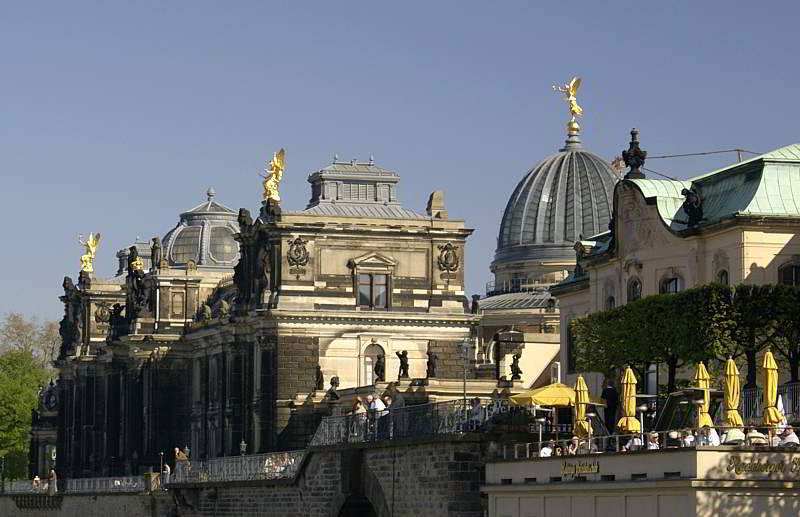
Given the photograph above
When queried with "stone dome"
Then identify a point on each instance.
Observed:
(566, 195)
(204, 235)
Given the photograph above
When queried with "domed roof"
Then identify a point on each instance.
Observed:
(204, 235)
(566, 195)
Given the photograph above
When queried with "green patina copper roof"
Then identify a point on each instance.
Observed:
(766, 186)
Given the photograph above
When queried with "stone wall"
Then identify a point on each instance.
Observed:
(88, 505)
(434, 479)
(410, 479)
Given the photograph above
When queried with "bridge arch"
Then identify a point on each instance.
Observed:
(367, 500)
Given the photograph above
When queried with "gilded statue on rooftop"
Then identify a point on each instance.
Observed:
(90, 245)
(273, 180)
(570, 90)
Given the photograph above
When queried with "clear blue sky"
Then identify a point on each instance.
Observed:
(116, 116)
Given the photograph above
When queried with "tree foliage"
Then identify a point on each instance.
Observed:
(21, 374)
(700, 324)
(26, 353)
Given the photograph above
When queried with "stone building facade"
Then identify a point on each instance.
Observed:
(237, 333)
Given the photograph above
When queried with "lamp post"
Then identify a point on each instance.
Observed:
(161, 472)
(642, 408)
(540, 420)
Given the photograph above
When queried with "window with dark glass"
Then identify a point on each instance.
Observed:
(789, 274)
(610, 303)
(722, 277)
(373, 291)
(670, 285)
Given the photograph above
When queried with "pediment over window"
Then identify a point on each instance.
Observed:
(372, 261)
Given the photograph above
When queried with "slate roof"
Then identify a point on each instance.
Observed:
(356, 189)
(362, 210)
(520, 300)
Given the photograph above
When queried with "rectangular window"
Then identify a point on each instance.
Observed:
(669, 285)
(789, 275)
(373, 291)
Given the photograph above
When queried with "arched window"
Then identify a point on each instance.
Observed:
(634, 289)
(722, 277)
(610, 303)
(370, 357)
(789, 274)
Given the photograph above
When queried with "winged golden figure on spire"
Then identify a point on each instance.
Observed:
(570, 91)
(91, 248)
(275, 170)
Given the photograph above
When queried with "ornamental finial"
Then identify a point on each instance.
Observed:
(570, 91)
(634, 157)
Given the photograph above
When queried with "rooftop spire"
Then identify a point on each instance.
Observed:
(634, 157)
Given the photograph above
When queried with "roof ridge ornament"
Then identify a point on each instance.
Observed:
(634, 157)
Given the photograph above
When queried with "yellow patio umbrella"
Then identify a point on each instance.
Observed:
(628, 421)
(581, 427)
(732, 416)
(702, 381)
(556, 395)
(772, 417)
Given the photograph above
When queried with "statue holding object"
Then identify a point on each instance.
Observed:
(87, 259)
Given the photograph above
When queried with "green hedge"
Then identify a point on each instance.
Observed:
(706, 323)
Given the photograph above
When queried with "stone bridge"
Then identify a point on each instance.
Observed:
(414, 478)
(432, 476)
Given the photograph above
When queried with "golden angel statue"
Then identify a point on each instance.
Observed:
(91, 248)
(570, 90)
(275, 170)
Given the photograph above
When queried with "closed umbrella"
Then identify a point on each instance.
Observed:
(772, 417)
(732, 416)
(702, 381)
(581, 427)
(628, 422)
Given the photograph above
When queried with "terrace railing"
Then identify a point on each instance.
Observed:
(271, 466)
(751, 403)
(422, 420)
(107, 484)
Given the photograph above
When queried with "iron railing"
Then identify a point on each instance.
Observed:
(751, 403)
(22, 486)
(80, 485)
(518, 285)
(271, 466)
(407, 422)
(773, 439)
(107, 484)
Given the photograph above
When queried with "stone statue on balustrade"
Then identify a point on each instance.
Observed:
(403, 356)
